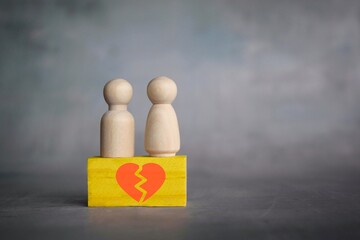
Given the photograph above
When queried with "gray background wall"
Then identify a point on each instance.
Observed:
(264, 87)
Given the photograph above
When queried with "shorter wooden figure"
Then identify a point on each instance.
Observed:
(117, 124)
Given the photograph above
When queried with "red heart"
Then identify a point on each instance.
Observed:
(150, 177)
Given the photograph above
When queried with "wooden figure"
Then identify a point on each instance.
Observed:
(162, 138)
(117, 124)
(117, 178)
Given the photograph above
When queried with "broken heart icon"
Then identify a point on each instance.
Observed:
(140, 182)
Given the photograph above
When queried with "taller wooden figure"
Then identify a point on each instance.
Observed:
(117, 178)
(162, 137)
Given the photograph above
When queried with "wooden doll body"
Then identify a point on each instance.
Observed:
(162, 131)
(117, 134)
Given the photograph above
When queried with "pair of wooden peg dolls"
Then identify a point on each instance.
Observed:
(162, 138)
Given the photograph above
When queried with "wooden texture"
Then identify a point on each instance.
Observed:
(137, 181)
(117, 124)
(162, 137)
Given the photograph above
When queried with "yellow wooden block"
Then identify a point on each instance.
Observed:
(137, 181)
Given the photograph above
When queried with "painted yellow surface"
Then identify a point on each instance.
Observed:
(104, 189)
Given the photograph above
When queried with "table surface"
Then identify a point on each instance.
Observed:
(219, 207)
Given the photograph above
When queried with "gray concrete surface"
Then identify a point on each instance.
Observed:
(219, 207)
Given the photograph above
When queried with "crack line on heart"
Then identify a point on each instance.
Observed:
(138, 185)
